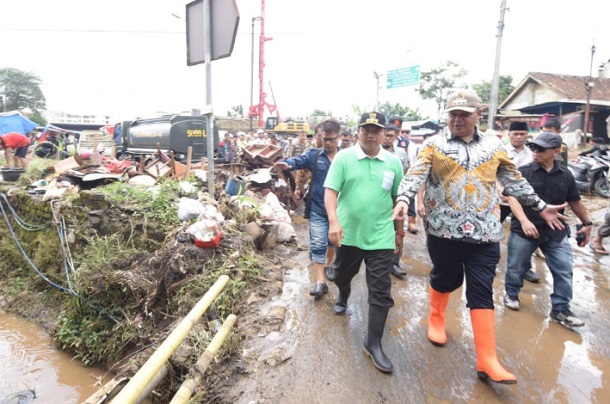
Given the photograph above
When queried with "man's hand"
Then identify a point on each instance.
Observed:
(297, 193)
(503, 198)
(586, 230)
(421, 210)
(529, 229)
(551, 216)
(282, 166)
(400, 211)
(335, 234)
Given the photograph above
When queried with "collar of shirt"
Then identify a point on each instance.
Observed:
(537, 167)
(360, 154)
(475, 138)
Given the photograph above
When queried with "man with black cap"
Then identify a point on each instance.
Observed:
(553, 182)
(459, 168)
(360, 189)
(519, 155)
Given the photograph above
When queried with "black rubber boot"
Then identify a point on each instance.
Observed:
(372, 343)
(341, 304)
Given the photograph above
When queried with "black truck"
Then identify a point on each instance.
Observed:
(169, 133)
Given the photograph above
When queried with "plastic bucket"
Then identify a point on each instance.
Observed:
(235, 185)
(12, 174)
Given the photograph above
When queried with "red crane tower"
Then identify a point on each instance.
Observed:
(258, 110)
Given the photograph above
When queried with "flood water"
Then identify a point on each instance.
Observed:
(30, 362)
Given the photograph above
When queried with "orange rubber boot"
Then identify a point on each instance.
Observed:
(436, 323)
(488, 367)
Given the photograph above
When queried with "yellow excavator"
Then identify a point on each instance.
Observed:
(285, 128)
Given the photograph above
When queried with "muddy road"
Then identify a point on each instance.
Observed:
(317, 356)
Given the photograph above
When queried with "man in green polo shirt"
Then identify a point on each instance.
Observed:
(360, 188)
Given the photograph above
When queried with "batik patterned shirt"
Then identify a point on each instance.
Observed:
(461, 200)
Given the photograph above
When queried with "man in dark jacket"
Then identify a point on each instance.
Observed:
(317, 160)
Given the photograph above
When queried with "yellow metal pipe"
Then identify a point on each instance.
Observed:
(140, 380)
(189, 385)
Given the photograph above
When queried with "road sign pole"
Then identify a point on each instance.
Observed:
(209, 130)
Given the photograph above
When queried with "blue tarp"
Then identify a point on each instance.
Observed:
(15, 122)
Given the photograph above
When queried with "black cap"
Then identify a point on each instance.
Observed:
(373, 118)
(520, 126)
(548, 140)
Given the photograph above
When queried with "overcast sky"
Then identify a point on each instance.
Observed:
(128, 58)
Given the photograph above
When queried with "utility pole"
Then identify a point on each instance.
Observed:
(589, 87)
(495, 84)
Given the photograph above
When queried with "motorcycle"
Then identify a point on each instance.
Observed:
(591, 173)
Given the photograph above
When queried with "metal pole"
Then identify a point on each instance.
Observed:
(495, 84)
(377, 97)
(252, 72)
(589, 87)
(138, 382)
(207, 51)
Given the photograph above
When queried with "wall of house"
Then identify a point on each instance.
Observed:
(532, 94)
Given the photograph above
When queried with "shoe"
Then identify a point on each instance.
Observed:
(330, 273)
(372, 342)
(319, 290)
(538, 253)
(566, 318)
(531, 276)
(397, 271)
(488, 366)
(598, 250)
(511, 303)
(436, 324)
(341, 304)
(412, 228)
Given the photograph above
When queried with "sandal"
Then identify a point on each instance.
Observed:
(598, 250)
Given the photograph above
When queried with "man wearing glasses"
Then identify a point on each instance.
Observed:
(553, 182)
(317, 161)
(459, 168)
(360, 189)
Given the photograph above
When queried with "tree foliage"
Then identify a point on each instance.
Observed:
(236, 111)
(505, 87)
(437, 83)
(319, 112)
(21, 90)
(404, 112)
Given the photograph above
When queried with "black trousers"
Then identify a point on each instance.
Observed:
(504, 212)
(452, 260)
(411, 209)
(378, 264)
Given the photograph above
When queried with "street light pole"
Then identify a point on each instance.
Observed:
(377, 76)
(589, 87)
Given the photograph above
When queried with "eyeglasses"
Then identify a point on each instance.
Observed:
(329, 139)
(537, 149)
(405, 131)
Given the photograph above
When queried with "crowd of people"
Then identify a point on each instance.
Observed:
(463, 183)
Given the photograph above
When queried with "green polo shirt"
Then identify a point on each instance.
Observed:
(365, 186)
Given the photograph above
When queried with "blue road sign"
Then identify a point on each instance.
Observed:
(407, 76)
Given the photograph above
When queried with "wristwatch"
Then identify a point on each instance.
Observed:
(400, 233)
(589, 223)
